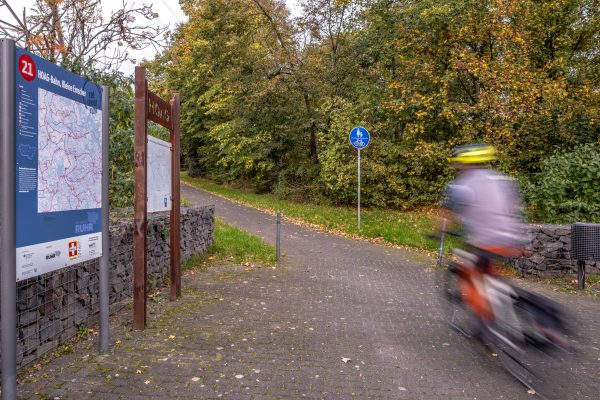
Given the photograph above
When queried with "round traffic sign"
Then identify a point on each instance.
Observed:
(359, 137)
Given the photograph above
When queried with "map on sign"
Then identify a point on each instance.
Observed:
(159, 175)
(70, 156)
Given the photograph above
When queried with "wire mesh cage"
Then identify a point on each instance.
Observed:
(52, 307)
(55, 307)
(585, 241)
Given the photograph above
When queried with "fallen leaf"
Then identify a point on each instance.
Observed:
(195, 379)
(346, 360)
(146, 382)
(138, 371)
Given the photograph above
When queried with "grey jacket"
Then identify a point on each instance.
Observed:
(489, 206)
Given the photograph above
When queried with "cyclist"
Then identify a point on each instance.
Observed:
(487, 206)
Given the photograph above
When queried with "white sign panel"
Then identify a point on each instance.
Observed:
(159, 175)
(46, 257)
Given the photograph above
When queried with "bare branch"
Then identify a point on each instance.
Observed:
(74, 32)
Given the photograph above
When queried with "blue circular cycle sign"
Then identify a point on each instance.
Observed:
(359, 137)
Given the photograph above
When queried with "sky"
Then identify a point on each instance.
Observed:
(168, 11)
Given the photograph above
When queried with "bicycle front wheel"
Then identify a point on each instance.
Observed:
(457, 314)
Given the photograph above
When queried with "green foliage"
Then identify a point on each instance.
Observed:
(121, 137)
(338, 173)
(566, 189)
(269, 101)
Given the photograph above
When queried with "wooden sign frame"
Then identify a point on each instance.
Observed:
(149, 106)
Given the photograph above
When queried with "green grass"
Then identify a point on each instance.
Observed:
(391, 226)
(185, 202)
(233, 245)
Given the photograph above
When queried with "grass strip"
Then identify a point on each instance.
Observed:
(383, 225)
(232, 244)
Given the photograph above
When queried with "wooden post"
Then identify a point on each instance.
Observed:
(175, 202)
(140, 148)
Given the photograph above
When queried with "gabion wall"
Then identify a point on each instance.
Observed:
(52, 308)
(549, 253)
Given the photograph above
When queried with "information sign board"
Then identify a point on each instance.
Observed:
(159, 175)
(58, 167)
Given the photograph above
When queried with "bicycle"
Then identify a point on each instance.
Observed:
(527, 332)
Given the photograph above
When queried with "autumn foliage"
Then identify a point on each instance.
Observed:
(269, 99)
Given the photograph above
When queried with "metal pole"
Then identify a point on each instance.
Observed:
(359, 189)
(278, 236)
(105, 260)
(140, 149)
(442, 237)
(175, 242)
(8, 273)
(580, 274)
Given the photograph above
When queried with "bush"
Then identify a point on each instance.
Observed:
(566, 189)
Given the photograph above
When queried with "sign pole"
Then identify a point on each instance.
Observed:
(140, 199)
(8, 273)
(104, 291)
(359, 189)
(359, 139)
(175, 233)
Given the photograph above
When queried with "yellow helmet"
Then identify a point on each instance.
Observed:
(473, 154)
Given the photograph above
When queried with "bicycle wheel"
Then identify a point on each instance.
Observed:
(536, 362)
(457, 314)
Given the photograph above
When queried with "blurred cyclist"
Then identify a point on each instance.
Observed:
(487, 206)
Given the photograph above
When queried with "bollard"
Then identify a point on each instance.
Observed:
(278, 236)
(580, 274)
(441, 249)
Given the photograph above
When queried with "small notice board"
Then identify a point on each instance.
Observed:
(159, 174)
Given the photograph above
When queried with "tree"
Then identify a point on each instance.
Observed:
(73, 33)
(271, 101)
(230, 62)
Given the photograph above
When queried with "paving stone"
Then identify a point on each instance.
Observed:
(283, 333)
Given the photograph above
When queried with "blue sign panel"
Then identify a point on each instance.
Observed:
(359, 137)
(58, 166)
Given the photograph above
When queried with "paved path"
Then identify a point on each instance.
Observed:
(284, 332)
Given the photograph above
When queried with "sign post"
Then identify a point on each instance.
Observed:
(159, 157)
(359, 139)
(54, 190)
(175, 201)
(8, 274)
(104, 284)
